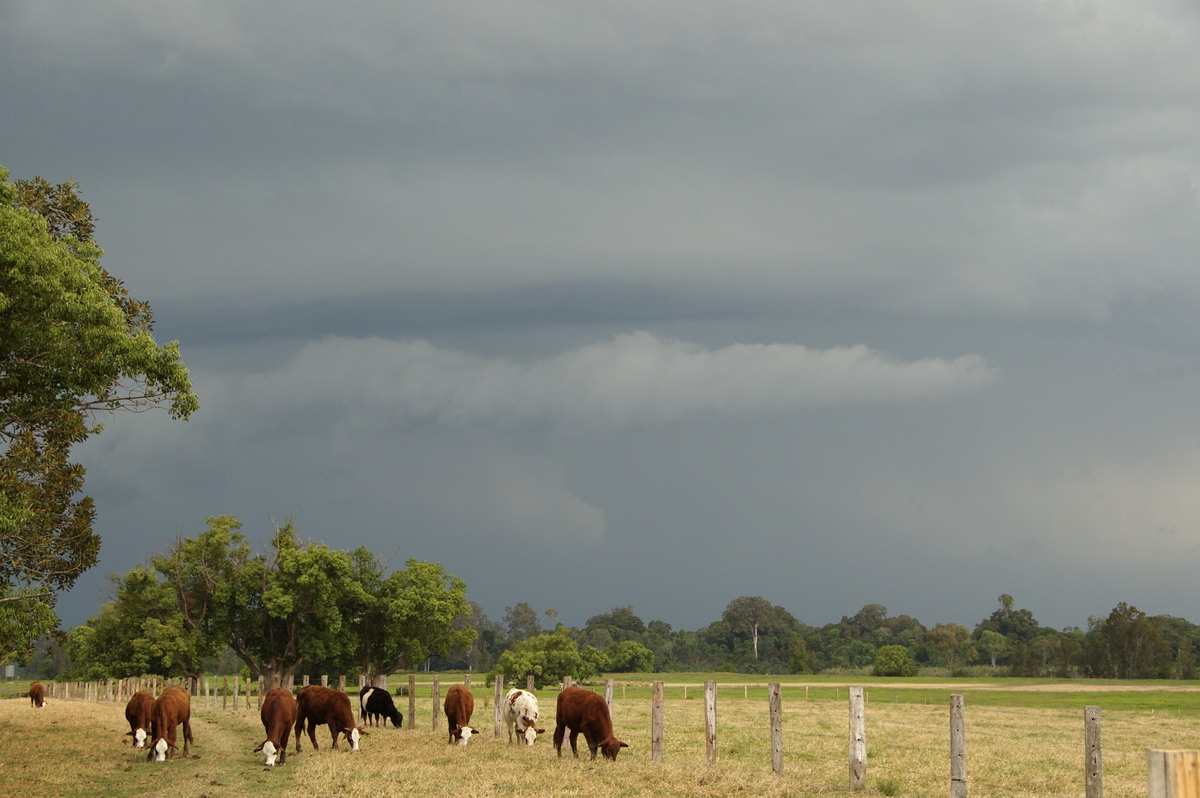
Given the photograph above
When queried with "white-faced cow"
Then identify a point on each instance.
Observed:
(139, 712)
(583, 711)
(458, 706)
(171, 708)
(37, 694)
(318, 705)
(521, 713)
(278, 716)
(376, 707)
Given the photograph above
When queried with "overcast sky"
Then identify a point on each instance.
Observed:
(657, 304)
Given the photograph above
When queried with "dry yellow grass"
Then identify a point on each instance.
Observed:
(76, 748)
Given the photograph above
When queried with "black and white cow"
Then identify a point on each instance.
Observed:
(376, 707)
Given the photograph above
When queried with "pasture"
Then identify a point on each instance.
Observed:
(1023, 739)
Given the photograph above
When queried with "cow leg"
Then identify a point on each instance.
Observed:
(187, 734)
(559, 731)
(574, 738)
(333, 732)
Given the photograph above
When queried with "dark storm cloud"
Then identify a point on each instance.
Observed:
(785, 284)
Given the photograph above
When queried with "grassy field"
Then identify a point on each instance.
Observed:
(1024, 738)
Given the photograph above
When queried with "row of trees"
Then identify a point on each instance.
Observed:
(755, 636)
(298, 604)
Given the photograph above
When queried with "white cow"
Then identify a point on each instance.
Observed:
(521, 711)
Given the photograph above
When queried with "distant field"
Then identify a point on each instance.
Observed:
(1024, 738)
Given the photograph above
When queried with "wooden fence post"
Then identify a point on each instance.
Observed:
(958, 749)
(608, 695)
(775, 701)
(412, 701)
(437, 695)
(858, 740)
(1093, 762)
(499, 709)
(566, 682)
(656, 723)
(529, 683)
(236, 689)
(225, 693)
(710, 721)
(1173, 774)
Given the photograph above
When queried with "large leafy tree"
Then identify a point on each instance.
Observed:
(275, 610)
(1128, 644)
(755, 631)
(548, 658)
(72, 343)
(409, 616)
(142, 630)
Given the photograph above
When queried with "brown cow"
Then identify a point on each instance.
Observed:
(459, 706)
(317, 705)
(173, 706)
(278, 716)
(37, 694)
(139, 712)
(583, 711)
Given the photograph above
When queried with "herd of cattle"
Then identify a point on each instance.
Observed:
(154, 722)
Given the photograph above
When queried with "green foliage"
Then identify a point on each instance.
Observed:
(548, 658)
(954, 642)
(410, 616)
(72, 342)
(141, 631)
(25, 616)
(894, 661)
(628, 656)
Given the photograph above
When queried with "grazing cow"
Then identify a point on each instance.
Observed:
(139, 712)
(316, 705)
(583, 711)
(171, 708)
(278, 716)
(521, 711)
(376, 707)
(37, 694)
(459, 706)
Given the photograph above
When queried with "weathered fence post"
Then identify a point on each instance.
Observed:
(499, 709)
(608, 695)
(1093, 762)
(566, 682)
(958, 749)
(225, 693)
(529, 683)
(858, 740)
(437, 695)
(710, 721)
(775, 701)
(304, 681)
(656, 723)
(236, 690)
(342, 683)
(1173, 774)
(412, 701)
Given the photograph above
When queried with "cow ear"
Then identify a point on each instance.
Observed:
(540, 731)
(624, 745)
(260, 746)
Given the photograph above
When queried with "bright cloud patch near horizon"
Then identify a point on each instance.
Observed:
(633, 378)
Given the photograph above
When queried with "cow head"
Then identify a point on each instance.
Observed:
(269, 752)
(353, 735)
(161, 749)
(611, 747)
(139, 738)
(462, 734)
(530, 734)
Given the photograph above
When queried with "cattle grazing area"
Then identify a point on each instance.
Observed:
(1021, 743)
